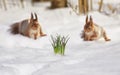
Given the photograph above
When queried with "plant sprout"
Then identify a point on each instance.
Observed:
(59, 43)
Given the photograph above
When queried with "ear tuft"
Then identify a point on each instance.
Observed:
(31, 16)
(91, 20)
(86, 18)
(36, 18)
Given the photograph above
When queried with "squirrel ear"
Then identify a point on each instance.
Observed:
(36, 18)
(31, 16)
(91, 20)
(86, 18)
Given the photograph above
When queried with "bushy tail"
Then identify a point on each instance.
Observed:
(14, 28)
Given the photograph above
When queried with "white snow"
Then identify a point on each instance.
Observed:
(20, 55)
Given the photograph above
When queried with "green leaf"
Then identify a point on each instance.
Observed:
(59, 43)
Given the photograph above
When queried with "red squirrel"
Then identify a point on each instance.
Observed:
(93, 32)
(28, 27)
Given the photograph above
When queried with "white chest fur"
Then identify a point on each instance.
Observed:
(89, 33)
(34, 34)
(33, 31)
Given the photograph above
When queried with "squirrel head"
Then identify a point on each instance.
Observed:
(89, 25)
(34, 24)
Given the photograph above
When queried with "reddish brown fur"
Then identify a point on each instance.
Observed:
(93, 32)
(30, 28)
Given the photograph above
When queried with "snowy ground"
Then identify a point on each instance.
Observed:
(20, 55)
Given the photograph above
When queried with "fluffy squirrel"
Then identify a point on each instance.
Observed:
(28, 27)
(93, 31)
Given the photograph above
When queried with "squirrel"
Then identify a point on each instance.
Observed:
(28, 27)
(93, 31)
